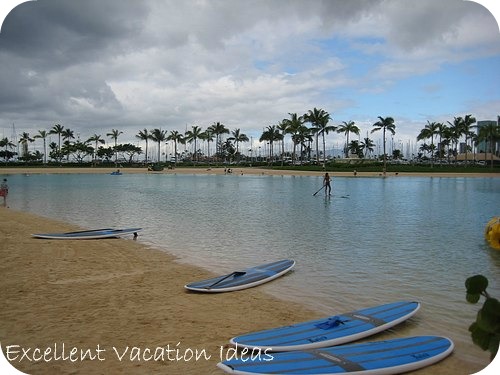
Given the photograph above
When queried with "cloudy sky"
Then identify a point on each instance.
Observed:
(97, 65)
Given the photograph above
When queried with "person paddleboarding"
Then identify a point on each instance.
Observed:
(327, 185)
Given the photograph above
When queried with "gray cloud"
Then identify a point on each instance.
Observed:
(132, 64)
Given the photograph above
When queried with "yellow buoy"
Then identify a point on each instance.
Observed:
(492, 232)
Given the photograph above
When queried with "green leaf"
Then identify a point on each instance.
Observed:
(481, 338)
(486, 321)
(472, 297)
(476, 284)
(492, 306)
(493, 348)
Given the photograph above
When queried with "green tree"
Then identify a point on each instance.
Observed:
(80, 150)
(67, 135)
(144, 135)
(114, 134)
(270, 135)
(6, 144)
(429, 131)
(491, 135)
(208, 135)
(466, 125)
(24, 141)
(158, 136)
(355, 148)
(238, 137)
(218, 129)
(43, 134)
(346, 128)
(177, 138)
(284, 128)
(129, 149)
(485, 331)
(96, 138)
(454, 133)
(386, 125)
(295, 126)
(192, 136)
(319, 119)
(57, 129)
(367, 146)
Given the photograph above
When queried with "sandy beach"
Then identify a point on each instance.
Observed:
(100, 297)
(235, 170)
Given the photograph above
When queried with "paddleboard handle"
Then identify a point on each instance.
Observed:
(332, 322)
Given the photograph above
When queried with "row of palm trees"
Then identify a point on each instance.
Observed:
(449, 135)
(295, 125)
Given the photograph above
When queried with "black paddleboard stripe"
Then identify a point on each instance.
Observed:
(347, 365)
(366, 318)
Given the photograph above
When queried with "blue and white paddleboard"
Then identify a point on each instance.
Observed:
(244, 279)
(374, 358)
(333, 330)
(88, 234)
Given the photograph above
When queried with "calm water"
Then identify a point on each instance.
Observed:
(375, 241)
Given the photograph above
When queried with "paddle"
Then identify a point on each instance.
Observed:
(235, 273)
(318, 190)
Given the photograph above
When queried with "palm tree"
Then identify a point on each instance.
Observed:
(57, 129)
(97, 139)
(346, 128)
(4, 142)
(283, 126)
(319, 120)
(144, 135)
(386, 124)
(237, 138)
(271, 134)
(192, 136)
(114, 134)
(324, 128)
(491, 134)
(367, 145)
(67, 134)
(428, 132)
(177, 138)
(467, 122)
(295, 125)
(42, 134)
(208, 135)
(218, 129)
(441, 131)
(159, 136)
(455, 130)
(301, 137)
(24, 141)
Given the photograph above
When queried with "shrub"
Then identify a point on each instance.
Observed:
(485, 331)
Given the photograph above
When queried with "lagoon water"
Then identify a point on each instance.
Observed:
(376, 240)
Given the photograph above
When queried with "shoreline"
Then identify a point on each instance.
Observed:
(112, 294)
(236, 171)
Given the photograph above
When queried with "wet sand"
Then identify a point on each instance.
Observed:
(236, 170)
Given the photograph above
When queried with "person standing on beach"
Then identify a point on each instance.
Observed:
(326, 184)
(4, 191)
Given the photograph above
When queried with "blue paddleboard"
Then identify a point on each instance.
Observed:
(374, 358)
(333, 330)
(88, 234)
(247, 278)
